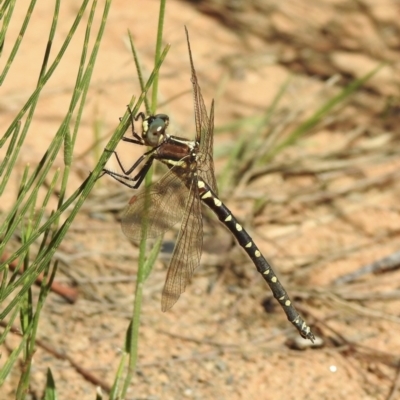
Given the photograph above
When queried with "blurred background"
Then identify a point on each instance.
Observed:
(307, 158)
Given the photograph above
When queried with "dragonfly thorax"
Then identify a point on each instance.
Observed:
(154, 129)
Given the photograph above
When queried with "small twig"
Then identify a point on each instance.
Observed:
(61, 356)
(362, 350)
(385, 264)
(396, 386)
(77, 366)
(363, 310)
(198, 341)
(231, 349)
(359, 186)
(68, 293)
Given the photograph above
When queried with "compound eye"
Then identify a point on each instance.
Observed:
(156, 127)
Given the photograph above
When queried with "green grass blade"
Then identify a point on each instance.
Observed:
(161, 17)
(139, 71)
(50, 390)
(9, 224)
(80, 92)
(4, 280)
(7, 8)
(18, 41)
(49, 73)
(143, 268)
(11, 156)
(9, 327)
(153, 255)
(116, 387)
(11, 359)
(80, 195)
(18, 288)
(311, 122)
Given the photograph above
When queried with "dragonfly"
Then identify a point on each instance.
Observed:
(178, 197)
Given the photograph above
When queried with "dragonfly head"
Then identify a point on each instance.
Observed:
(154, 127)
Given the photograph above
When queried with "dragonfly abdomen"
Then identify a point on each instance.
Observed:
(263, 267)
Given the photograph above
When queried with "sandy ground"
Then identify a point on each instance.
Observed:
(330, 203)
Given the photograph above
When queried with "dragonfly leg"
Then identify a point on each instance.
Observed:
(142, 173)
(125, 178)
(134, 133)
(119, 178)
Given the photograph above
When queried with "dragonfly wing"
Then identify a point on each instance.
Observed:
(161, 206)
(205, 159)
(204, 128)
(187, 252)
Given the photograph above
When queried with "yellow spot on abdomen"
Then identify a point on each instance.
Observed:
(206, 195)
(217, 202)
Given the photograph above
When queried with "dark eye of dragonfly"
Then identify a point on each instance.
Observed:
(154, 128)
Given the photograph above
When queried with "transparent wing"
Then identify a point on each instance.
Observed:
(187, 252)
(205, 159)
(166, 201)
(204, 128)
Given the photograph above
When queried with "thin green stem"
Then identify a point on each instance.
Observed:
(143, 268)
(161, 17)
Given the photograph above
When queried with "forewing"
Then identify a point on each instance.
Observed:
(204, 128)
(205, 159)
(166, 201)
(187, 252)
